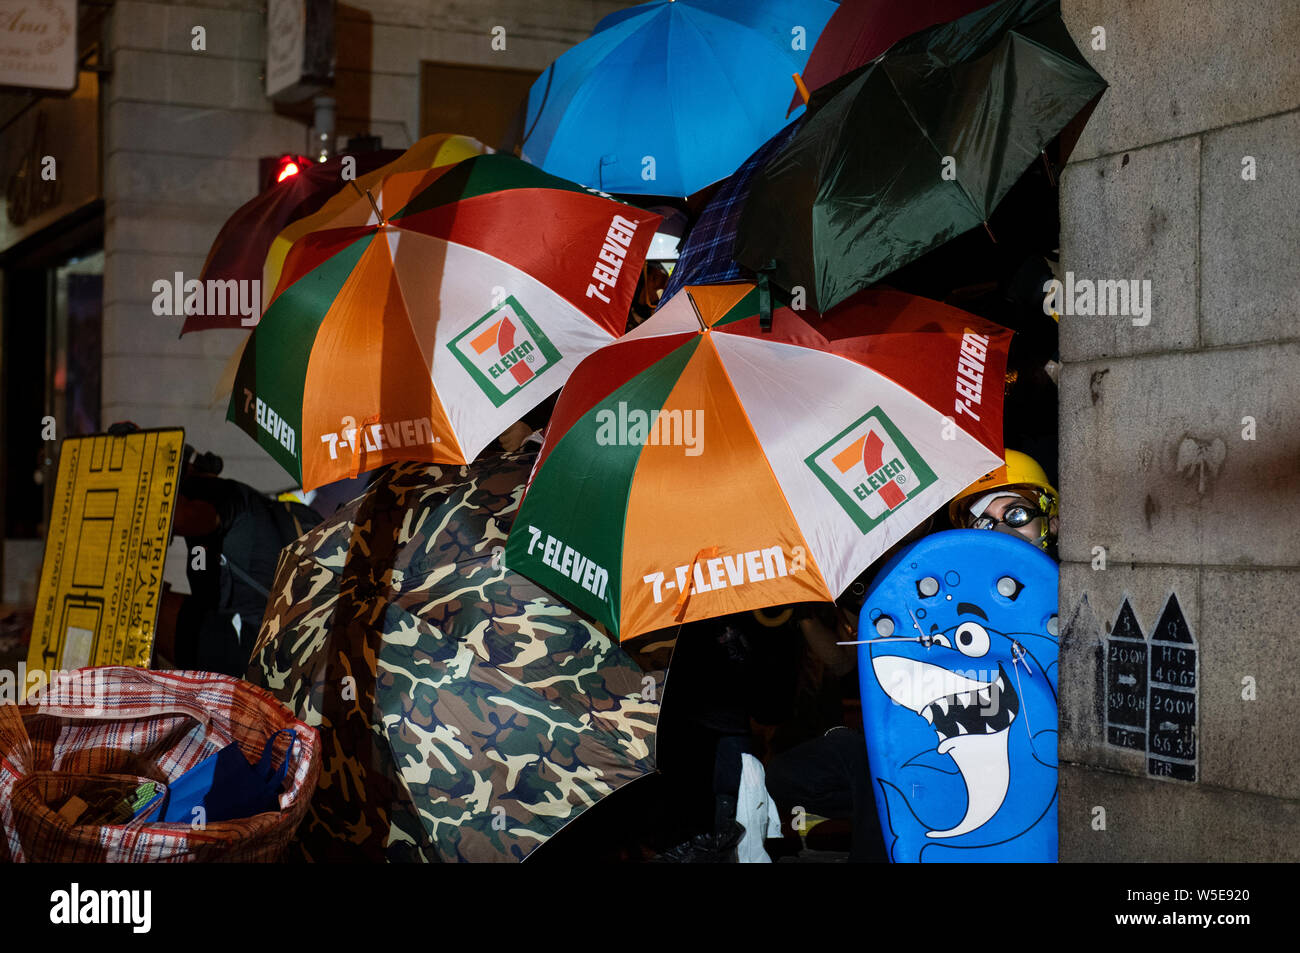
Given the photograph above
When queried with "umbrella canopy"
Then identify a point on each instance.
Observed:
(669, 97)
(427, 318)
(464, 713)
(430, 152)
(860, 30)
(914, 149)
(706, 259)
(240, 248)
(690, 472)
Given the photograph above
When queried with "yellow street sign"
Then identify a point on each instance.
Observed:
(109, 529)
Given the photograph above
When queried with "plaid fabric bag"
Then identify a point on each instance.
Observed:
(126, 725)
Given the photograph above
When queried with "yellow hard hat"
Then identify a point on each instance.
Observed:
(1020, 471)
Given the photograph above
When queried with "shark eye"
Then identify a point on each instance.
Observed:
(938, 638)
(972, 639)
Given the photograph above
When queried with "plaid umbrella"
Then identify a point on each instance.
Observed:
(706, 259)
(464, 713)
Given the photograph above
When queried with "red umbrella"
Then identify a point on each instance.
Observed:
(860, 30)
(240, 248)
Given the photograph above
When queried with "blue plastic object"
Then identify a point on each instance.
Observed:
(959, 699)
(666, 98)
(227, 787)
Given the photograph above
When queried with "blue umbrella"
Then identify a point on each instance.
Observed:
(670, 96)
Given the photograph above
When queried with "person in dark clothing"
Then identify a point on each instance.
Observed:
(828, 774)
(233, 537)
(726, 674)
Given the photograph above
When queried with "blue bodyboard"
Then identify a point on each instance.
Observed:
(959, 699)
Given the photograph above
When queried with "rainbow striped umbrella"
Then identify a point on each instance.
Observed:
(699, 467)
(431, 314)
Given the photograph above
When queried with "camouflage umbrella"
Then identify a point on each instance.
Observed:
(464, 713)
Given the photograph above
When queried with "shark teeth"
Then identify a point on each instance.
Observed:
(982, 710)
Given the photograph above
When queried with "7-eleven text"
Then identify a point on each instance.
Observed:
(567, 561)
(720, 572)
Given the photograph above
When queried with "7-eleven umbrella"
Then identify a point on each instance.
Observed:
(432, 314)
(427, 153)
(239, 250)
(700, 467)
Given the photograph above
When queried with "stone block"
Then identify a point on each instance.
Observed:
(1248, 622)
(219, 183)
(1090, 602)
(162, 234)
(1125, 218)
(1154, 465)
(1177, 68)
(129, 278)
(1152, 821)
(1249, 247)
(133, 332)
(192, 131)
(168, 28)
(185, 79)
(175, 383)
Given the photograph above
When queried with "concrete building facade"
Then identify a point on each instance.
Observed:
(1180, 451)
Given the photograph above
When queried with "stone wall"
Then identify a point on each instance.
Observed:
(1180, 451)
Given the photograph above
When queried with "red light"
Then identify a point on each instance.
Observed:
(289, 168)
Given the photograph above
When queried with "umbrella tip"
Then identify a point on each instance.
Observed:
(802, 87)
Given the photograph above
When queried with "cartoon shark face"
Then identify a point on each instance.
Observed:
(959, 693)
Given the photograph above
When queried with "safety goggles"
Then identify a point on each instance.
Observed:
(1015, 516)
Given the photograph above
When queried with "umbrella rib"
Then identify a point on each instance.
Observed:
(881, 375)
(755, 127)
(925, 134)
(744, 412)
(577, 84)
(415, 334)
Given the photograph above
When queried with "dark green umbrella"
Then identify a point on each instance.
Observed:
(913, 149)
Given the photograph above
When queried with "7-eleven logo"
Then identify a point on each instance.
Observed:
(871, 469)
(504, 350)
